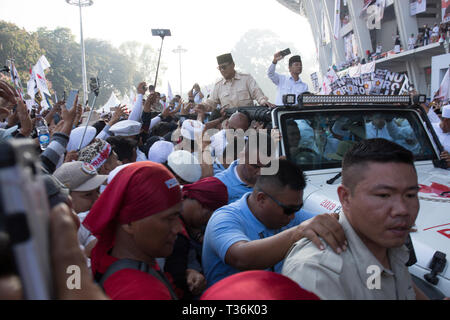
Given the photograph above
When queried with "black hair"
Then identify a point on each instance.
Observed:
(123, 146)
(373, 150)
(289, 175)
(294, 59)
(161, 129)
(150, 142)
(99, 126)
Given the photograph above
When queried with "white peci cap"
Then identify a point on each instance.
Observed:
(185, 165)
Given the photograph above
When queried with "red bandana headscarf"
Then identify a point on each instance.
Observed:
(210, 192)
(139, 190)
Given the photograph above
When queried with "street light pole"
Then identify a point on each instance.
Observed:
(180, 50)
(80, 4)
(160, 33)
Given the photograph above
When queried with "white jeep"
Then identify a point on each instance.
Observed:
(317, 135)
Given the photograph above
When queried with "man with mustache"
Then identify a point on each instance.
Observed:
(379, 197)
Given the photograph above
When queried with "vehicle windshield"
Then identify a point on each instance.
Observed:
(320, 140)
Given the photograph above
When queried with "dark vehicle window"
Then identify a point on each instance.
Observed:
(320, 140)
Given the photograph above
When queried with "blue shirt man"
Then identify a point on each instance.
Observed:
(230, 224)
(235, 186)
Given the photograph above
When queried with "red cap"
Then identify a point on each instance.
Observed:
(210, 192)
(257, 285)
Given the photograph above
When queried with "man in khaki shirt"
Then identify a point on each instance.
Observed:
(235, 89)
(379, 197)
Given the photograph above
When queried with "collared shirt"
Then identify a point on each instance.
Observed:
(237, 92)
(286, 85)
(217, 167)
(140, 156)
(228, 225)
(432, 116)
(236, 188)
(350, 275)
(444, 138)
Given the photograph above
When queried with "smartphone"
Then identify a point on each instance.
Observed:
(24, 211)
(71, 100)
(286, 52)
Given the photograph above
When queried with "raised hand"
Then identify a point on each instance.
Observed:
(277, 57)
(142, 88)
(119, 113)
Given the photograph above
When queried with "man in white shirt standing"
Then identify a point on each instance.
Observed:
(287, 84)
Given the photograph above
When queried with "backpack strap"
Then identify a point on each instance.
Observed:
(137, 265)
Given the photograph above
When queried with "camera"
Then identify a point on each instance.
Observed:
(94, 84)
(24, 213)
(260, 114)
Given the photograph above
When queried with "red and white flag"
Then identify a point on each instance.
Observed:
(38, 81)
(16, 79)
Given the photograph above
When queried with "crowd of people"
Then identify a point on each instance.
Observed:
(438, 33)
(163, 203)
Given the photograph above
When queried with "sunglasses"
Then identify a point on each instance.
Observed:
(287, 210)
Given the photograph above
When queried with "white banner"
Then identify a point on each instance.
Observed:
(444, 89)
(445, 11)
(315, 81)
(169, 93)
(418, 7)
(337, 19)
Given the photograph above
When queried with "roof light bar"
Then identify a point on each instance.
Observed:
(363, 99)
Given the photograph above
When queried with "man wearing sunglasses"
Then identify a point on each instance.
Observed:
(256, 232)
(235, 89)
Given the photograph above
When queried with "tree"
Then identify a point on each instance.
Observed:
(17, 44)
(145, 59)
(63, 54)
(117, 69)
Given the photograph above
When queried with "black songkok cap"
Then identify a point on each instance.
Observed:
(225, 58)
(294, 59)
